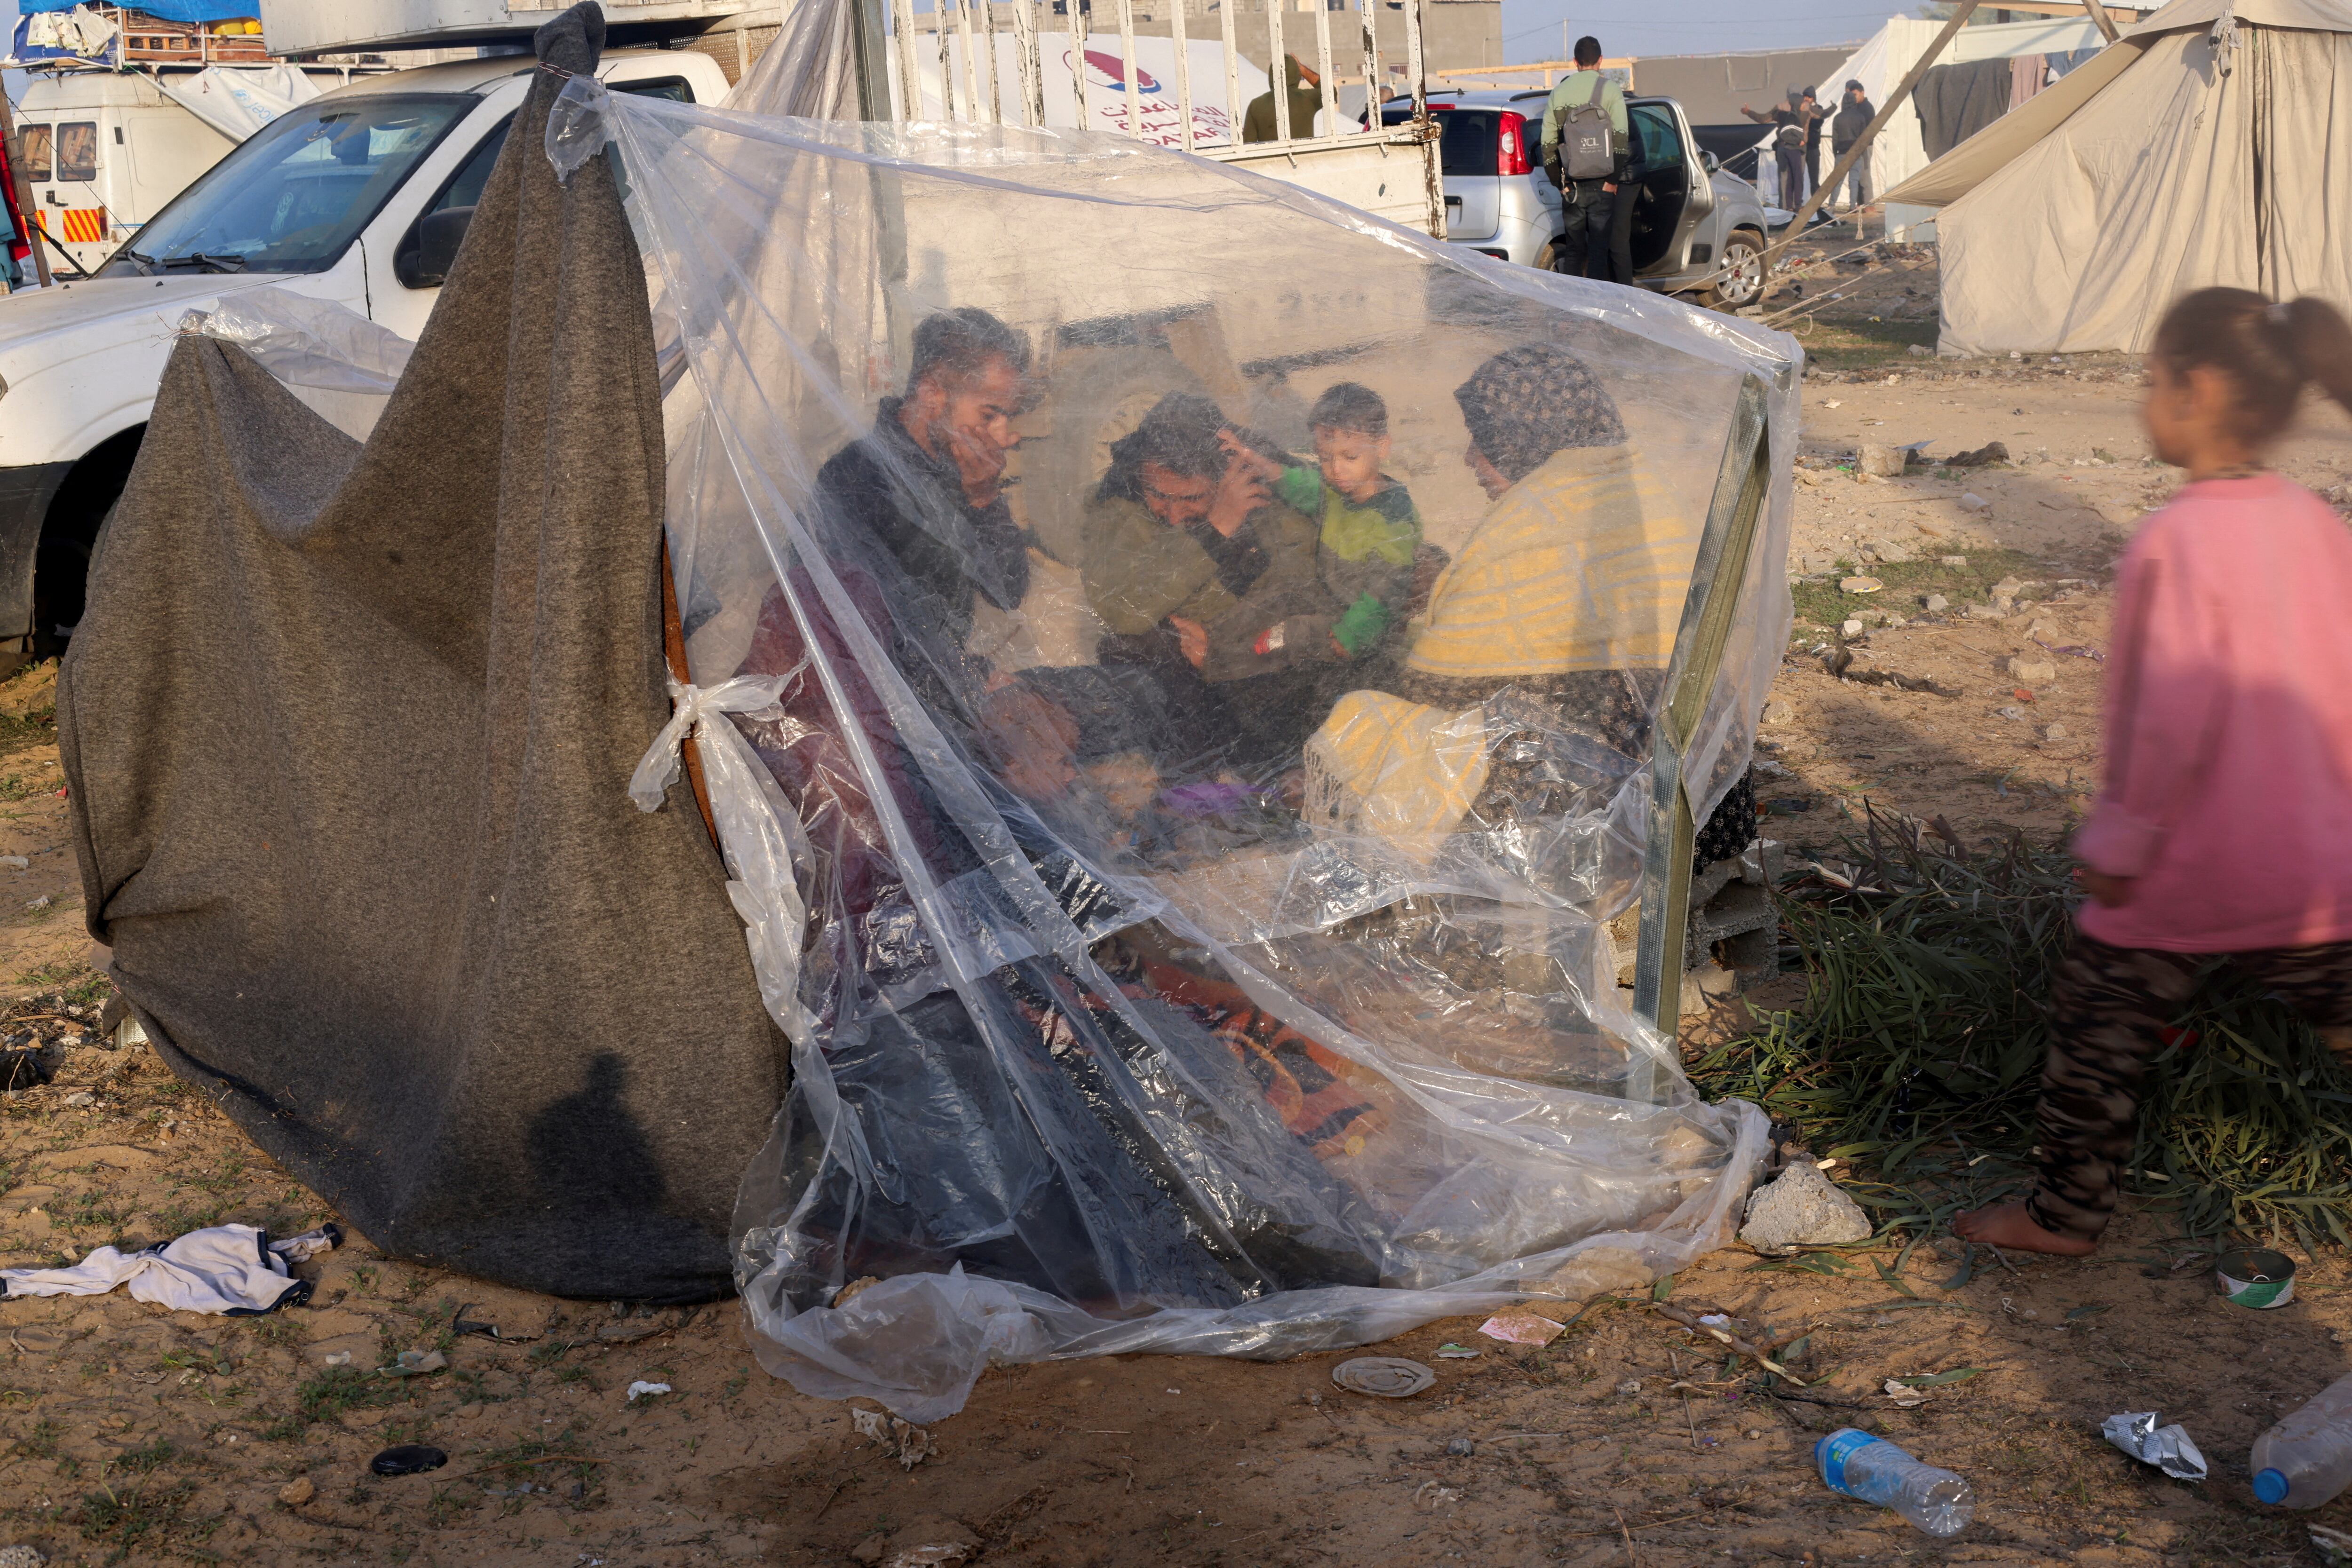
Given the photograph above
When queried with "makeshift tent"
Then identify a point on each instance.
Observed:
(2205, 148)
(1180, 874)
(346, 728)
(1899, 150)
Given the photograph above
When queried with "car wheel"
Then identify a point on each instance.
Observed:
(1740, 281)
(1548, 258)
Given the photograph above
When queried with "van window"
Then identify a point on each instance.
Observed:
(35, 143)
(1467, 139)
(77, 150)
(673, 88)
(291, 198)
(465, 187)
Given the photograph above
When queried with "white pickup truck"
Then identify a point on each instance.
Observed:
(359, 196)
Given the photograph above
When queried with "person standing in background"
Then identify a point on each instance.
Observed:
(1586, 143)
(1792, 127)
(1304, 87)
(1810, 109)
(1854, 117)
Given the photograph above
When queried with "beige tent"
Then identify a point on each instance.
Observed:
(2197, 150)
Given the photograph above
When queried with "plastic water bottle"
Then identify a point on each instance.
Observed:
(1876, 1470)
(2306, 1459)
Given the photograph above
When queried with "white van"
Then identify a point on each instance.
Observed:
(104, 150)
(359, 196)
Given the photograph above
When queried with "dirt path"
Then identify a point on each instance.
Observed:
(128, 1433)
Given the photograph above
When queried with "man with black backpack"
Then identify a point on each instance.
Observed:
(1585, 145)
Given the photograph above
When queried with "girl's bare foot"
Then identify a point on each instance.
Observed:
(2008, 1225)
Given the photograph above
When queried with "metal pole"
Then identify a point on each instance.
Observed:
(1812, 204)
(1323, 64)
(9, 138)
(1717, 577)
(1280, 59)
(1183, 75)
(1126, 67)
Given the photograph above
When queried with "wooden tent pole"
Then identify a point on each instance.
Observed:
(2106, 24)
(1862, 143)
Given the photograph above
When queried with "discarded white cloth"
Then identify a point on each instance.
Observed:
(234, 1269)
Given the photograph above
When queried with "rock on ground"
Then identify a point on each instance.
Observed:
(1802, 1208)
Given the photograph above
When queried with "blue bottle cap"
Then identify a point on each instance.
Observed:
(2270, 1486)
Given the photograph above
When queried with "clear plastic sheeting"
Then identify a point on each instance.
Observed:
(1213, 638)
(305, 341)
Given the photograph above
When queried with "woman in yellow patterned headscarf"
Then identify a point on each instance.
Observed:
(1567, 594)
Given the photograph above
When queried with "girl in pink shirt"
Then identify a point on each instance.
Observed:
(2225, 822)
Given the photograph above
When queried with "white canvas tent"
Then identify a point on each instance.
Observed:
(2205, 148)
(1881, 63)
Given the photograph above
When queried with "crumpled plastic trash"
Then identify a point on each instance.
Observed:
(417, 1364)
(1383, 1376)
(2169, 1449)
(641, 1389)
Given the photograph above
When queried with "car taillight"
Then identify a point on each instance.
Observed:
(1511, 146)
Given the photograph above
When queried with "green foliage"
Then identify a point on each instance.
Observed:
(1908, 582)
(1919, 1055)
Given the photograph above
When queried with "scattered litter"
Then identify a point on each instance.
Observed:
(2054, 732)
(1935, 604)
(1451, 1351)
(1975, 503)
(1802, 1208)
(1460, 1447)
(641, 1389)
(2009, 713)
(1859, 585)
(297, 1491)
(41, 903)
(1873, 1469)
(15, 862)
(1715, 1320)
(911, 1445)
(21, 1557)
(2335, 1547)
(1630, 1387)
(459, 1323)
(1517, 1327)
(79, 1099)
(2256, 1278)
(408, 1459)
(2169, 1449)
(1832, 402)
(1905, 1398)
(221, 1269)
(417, 1364)
(1433, 1496)
(22, 1070)
(1383, 1376)
(338, 1358)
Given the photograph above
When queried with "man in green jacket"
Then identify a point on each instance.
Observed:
(1587, 171)
(1187, 557)
(1306, 101)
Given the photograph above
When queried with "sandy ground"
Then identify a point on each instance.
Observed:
(128, 1433)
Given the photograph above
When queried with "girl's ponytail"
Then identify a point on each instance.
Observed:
(2322, 345)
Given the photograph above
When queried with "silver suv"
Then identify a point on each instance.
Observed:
(1695, 227)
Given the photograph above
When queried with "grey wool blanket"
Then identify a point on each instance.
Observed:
(349, 729)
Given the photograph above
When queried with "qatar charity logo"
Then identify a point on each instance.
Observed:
(1108, 71)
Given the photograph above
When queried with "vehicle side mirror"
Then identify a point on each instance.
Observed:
(1709, 162)
(432, 250)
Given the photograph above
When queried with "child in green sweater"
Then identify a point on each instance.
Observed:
(1368, 533)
